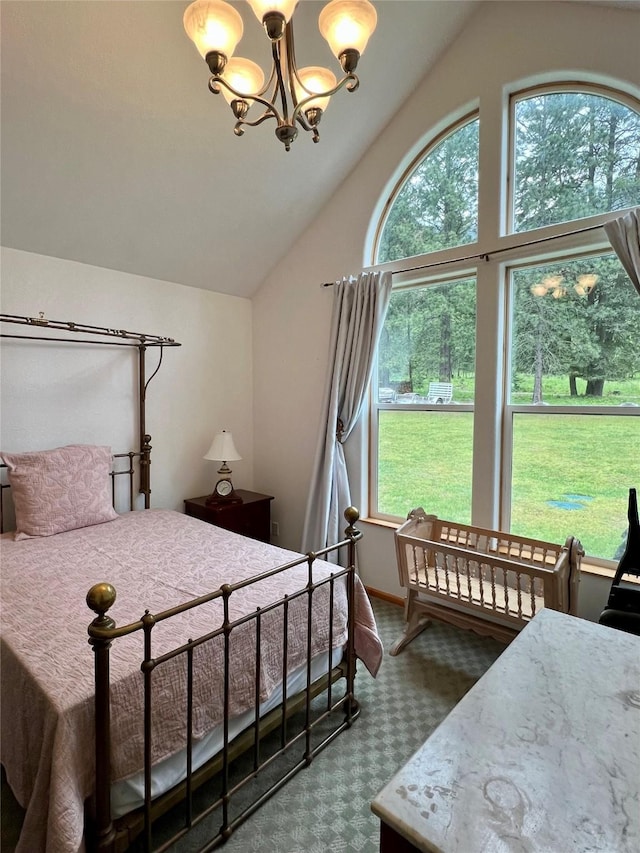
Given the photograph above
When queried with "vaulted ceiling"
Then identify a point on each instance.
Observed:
(115, 154)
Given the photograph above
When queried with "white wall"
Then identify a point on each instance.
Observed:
(56, 394)
(504, 43)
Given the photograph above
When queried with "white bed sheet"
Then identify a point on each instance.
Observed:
(128, 794)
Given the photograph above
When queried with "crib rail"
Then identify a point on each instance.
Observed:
(504, 587)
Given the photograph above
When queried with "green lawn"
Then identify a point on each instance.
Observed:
(571, 474)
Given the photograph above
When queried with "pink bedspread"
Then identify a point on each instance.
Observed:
(155, 559)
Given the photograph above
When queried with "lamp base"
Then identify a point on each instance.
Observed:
(218, 500)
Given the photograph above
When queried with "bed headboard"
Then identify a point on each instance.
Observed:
(42, 329)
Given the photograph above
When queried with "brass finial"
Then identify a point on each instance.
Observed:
(101, 597)
(352, 515)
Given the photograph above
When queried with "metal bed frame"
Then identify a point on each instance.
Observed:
(334, 710)
(320, 703)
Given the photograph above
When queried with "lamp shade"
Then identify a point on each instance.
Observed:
(244, 75)
(213, 25)
(264, 7)
(347, 24)
(315, 79)
(222, 448)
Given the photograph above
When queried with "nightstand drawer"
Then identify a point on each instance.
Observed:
(251, 518)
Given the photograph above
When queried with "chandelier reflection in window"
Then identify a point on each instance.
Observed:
(553, 284)
(294, 97)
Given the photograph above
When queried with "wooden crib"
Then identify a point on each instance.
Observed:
(485, 580)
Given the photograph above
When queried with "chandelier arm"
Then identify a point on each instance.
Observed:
(350, 81)
(271, 111)
(292, 66)
(277, 65)
(255, 122)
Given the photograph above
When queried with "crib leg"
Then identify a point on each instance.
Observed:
(416, 623)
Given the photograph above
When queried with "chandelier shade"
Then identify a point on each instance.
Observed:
(243, 76)
(295, 98)
(347, 25)
(262, 8)
(315, 80)
(213, 26)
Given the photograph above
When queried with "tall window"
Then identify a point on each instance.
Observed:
(424, 418)
(565, 399)
(423, 409)
(574, 391)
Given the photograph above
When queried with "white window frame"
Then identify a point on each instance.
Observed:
(493, 414)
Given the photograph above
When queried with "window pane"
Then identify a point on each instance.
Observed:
(576, 155)
(575, 334)
(571, 477)
(424, 459)
(429, 338)
(437, 207)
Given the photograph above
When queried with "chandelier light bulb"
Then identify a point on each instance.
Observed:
(315, 79)
(244, 76)
(213, 26)
(262, 8)
(347, 26)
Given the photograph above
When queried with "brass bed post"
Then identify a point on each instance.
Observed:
(145, 446)
(351, 515)
(99, 599)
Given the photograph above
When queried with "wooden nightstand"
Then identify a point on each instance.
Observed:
(252, 517)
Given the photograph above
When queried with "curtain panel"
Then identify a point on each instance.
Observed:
(624, 236)
(359, 308)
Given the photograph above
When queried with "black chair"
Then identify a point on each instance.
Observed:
(623, 606)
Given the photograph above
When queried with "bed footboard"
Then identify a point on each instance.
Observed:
(486, 580)
(324, 707)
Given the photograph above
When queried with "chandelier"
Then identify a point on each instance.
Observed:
(294, 97)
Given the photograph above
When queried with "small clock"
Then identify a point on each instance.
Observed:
(223, 492)
(223, 488)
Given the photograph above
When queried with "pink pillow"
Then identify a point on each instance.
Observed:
(61, 489)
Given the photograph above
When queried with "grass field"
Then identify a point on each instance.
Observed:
(571, 473)
(555, 391)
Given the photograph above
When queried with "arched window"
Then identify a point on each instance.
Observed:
(541, 436)
(436, 206)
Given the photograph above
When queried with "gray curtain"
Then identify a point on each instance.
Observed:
(624, 236)
(359, 309)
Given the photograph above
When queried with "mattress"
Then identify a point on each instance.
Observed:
(128, 794)
(155, 559)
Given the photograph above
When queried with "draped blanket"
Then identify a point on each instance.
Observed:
(155, 559)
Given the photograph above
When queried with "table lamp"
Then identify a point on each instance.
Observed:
(223, 450)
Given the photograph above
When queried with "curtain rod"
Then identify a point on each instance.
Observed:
(484, 256)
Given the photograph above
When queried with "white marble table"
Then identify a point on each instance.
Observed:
(541, 756)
